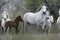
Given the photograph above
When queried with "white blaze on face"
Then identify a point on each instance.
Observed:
(4, 14)
(44, 8)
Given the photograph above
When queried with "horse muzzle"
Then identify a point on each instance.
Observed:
(44, 12)
(5, 19)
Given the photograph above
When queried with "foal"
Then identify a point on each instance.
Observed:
(13, 23)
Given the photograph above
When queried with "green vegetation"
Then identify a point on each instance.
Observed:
(29, 36)
(33, 5)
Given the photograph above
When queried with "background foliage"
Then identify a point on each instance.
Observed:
(32, 5)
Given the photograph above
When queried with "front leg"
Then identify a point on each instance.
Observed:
(25, 27)
(2, 29)
(16, 29)
(9, 29)
(37, 27)
(43, 27)
(6, 29)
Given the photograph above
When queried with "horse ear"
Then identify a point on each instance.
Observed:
(19, 16)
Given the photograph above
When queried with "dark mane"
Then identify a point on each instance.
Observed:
(18, 18)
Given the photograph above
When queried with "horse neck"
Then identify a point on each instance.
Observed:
(16, 20)
(39, 12)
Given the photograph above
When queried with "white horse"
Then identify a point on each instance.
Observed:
(5, 16)
(49, 22)
(58, 20)
(36, 18)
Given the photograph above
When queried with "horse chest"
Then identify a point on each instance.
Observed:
(41, 19)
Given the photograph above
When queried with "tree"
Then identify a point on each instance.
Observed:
(2, 3)
(32, 5)
(54, 6)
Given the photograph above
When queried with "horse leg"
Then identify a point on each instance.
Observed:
(2, 29)
(16, 29)
(9, 29)
(49, 29)
(24, 27)
(6, 29)
(37, 27)
(30, 28)
(43, 26)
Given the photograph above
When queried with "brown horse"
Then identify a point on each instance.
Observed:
(13, 23)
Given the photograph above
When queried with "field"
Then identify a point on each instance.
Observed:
(20, 7)
(29, 36)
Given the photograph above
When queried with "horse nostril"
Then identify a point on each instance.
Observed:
(47, 18)
(44, 12)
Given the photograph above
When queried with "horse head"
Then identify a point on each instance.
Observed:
(19, 18)
(44, 9)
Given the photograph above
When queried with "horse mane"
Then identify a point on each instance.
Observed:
(18, 18)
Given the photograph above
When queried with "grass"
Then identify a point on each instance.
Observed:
(19, 36)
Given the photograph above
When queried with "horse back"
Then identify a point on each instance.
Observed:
(10, 24)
